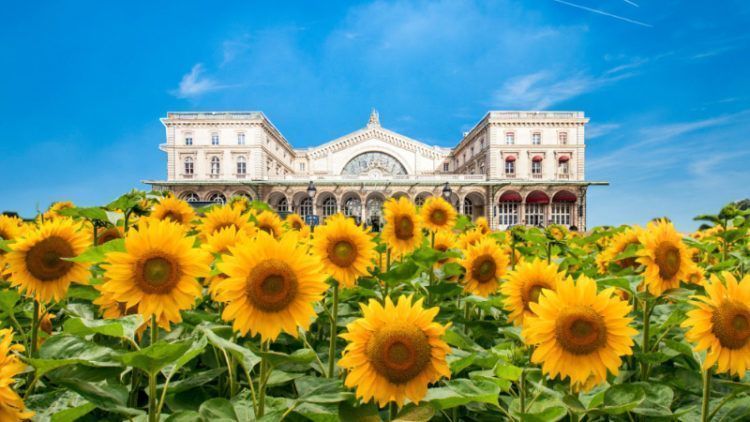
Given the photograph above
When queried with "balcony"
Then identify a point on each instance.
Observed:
(536, 176)
(187, 175)
(563, 176)
(510, 175)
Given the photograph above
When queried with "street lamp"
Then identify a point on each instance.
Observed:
(311, 190)
(447, 191)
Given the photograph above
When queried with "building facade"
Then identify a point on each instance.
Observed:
(513, 167)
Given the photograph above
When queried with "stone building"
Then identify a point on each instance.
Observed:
(513, 167)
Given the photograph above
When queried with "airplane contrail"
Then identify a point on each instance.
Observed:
(603, 13)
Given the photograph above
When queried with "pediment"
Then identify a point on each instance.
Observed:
(376, 132)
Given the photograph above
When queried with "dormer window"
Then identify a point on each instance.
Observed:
(536, 138)
(214, 139)
(510, 138)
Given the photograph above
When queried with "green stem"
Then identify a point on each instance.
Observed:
(152, 377)
(96, 234)
(644, 343)
(34, 329)
(522, 390)
(332, 344)
(705, 417)
(467, 313)
(262, 382)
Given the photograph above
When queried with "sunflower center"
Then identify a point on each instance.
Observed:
(267, 228)
(342, 253)
(484, 269)
(399, 352)
(731, 324)
(581, 331)
(438, 217)
(442, 248)
(4, 235)
(157, 274)
(404, 227)
(222, 226)
(668, 259)
(172, 216)
(532, 294)
(107, 235)
(272, 285)
(296, 225)
(43, 259)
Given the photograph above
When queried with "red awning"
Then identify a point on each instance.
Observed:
(537, 197)
(564, 196)
(537, 158)
(564, 159)
(510, 158)
(510, 196)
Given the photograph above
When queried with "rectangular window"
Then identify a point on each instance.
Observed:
(188, 139)
(535, 214)
(240, 139)
(561, 213)
(508, 213)
(563, 136)
(301, 166)
(214, 139)
(446, 167)
(481, 144)
(510, 138)
(536, 138)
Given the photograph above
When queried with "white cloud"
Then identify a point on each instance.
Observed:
(193, 84)
(543, 89)
(596, 130)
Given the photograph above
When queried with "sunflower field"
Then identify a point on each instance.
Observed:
(148, 310)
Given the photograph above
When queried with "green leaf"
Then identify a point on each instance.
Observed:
(462, 391)
(105, 395)
(184, 416)
(155, 357)
(196, 348)
(299, 357)
(195, 379)
(8, 300)
(320, 390)
(96, 254)
(623, 398)
(508, 371)
(400, 272)
(318, 412)
(124, 327)
(411, 413)
(458, 339)
(550, 414)
(58, 406)
(365, 412)
(62, 350)
(74, 413)
(89, 213)
(217, 409)
(245, 356)
(658, 400)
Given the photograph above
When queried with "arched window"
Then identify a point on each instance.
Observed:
(329, 206)
(189, 166)
(306, 207)
(241, 166)
(508, 208)
(352, 207)
(419, 201)
(282, 205)
(190, 197)
(562, 206)
(215, 166)
(217, 197)
(536, 207)
(468, 207)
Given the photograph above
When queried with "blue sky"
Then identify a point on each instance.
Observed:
(83, 84)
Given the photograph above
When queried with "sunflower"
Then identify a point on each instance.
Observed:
(296, 223)
(36, 265)
(220, 217)
(173, 209)
(157, 272)
(525, 284)
(618, 244)
(482, 225)
(53, 211)
(444, 241)
(221, 240)
(470, 237)
(105, 235)
(557, 231)
(271, 286)
(10, 227)
(720, 323)
(270, 222)
(580, 334)
(403, 228)
(485, 262)
(665, 256)
(438, 214)
(395, 351)
(12, 407)
(345, 249)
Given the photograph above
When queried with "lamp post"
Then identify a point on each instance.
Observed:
(447, 192)
(311, 190)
